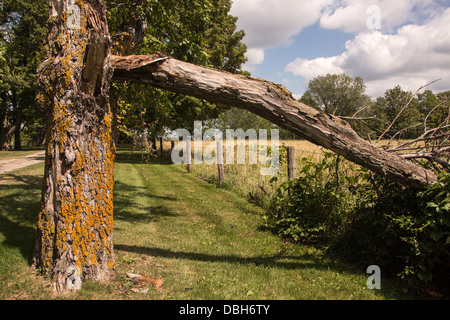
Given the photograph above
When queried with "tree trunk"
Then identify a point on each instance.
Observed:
(17, 129)
(3, 120)
(270, 101)
(75, 222)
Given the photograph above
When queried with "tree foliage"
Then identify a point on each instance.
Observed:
(200, 32)
(23, 29)
(368, 219)
(398, 114)
(337, 94)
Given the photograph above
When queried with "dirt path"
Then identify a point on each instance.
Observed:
(21, 162)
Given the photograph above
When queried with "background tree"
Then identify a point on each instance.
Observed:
(340, 95)
(200, 32)
(390, 107)
(235, 118)
(336, 94)
(23, 30)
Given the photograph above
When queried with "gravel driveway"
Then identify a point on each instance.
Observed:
(21, 162)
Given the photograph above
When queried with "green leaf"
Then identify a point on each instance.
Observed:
(432, 205)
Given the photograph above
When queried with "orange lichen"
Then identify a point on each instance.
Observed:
(79, 221)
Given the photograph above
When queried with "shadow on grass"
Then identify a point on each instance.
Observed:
(141, 157)
(391, 289)
(137, 205)
(19, 205)
(304, 261)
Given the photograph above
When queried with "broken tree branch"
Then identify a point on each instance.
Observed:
(272, 102)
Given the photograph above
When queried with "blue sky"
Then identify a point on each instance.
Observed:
(331, 43)
(292, 41)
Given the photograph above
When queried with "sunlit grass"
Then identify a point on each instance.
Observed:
(204, 242)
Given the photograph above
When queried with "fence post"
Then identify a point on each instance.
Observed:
(172, 145)
(219, 157)
(188, 155)
(291, 163)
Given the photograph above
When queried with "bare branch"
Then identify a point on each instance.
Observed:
(358, 119)
(428, 156)
(428, 115)
(404, 107)
(361, 110)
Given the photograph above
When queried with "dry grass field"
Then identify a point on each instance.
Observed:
(246, 179)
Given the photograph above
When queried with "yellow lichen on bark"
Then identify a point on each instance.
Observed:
(75, 223)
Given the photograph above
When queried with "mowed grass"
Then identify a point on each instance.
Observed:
(204, 242)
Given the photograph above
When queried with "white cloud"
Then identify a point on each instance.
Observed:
(273, 23)
(353, 15)
(413, 56)
(255, 56)
(312, 68)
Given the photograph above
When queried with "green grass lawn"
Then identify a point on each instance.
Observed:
(6, 155)
(203, 241)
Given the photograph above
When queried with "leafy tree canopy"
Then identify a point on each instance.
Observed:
(23, 30)
(337, 94)
(200, 32)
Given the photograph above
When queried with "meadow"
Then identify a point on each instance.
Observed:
(202, 241)
(246, 179)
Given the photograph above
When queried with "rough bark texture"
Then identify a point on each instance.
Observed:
(75, 222)
(273, 102)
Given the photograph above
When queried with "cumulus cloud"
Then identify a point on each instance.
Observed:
(273, 23)
(412, 56)
(353, 15)
(312, 68)
(255, 56)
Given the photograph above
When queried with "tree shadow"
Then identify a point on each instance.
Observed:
(141, 157)
(20, 204)
(304, 261)
(137, 204)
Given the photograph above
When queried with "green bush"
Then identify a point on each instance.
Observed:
(428, 236)
(406, 231)
(313, 207)
(368, 219)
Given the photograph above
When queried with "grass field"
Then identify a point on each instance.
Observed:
(203, 241)
(246, 179)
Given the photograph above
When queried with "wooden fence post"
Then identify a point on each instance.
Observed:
(291, 163)
(219, 157)
(188, 155)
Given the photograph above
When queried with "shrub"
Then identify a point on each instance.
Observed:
(368, 219)
(313, 207)
(427, 234)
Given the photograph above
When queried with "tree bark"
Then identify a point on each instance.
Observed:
(270, 101)
(75, 222)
